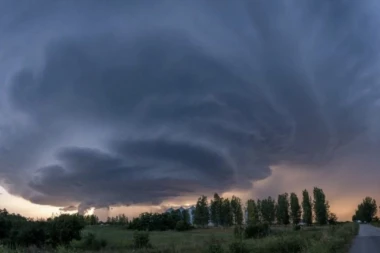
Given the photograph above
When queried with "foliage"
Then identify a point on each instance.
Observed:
(156, 221)
(307, 214)
(333, 219)
(227, 215)
(216, 210)
(141, 240)
(253, 212)
(256, 231)
(201, 214)
(282, 210)
(321, 208)
(64, 228)
(91, 219)
(237, 211)
(268, 210)
(120, 220)
(91, 242)
(55, 231)
(295, 208)
(182, 226)
(296, 227)
(366, 210)
(185, 216)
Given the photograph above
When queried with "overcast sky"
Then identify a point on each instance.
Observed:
(151, 103)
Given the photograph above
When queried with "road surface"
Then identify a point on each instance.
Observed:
(367, 241)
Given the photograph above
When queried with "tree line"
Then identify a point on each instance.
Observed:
(16, 230)
(225, 212)
(287, 209)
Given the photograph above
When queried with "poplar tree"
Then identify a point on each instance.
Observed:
(268, 210)
(295, 208)
(216, 210)
(226, 214)
(201, 213)
(307, 214)
(237, 211)
(320, 206)
(282, 210)
(253, 213)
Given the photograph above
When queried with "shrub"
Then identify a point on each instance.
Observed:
(256, 231)
(64, 228)
(141, 240)
(90, 242)
(238, 247)
(182, 226)
(32, 233)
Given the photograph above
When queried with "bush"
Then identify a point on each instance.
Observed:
(16, 230)
(141, 240)
(256, 231)
(182, 226)
(32, 233)
(90, 242)
(238, 247)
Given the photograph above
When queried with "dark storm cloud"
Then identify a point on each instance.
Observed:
(153, 100)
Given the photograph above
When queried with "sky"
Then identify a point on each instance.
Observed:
(130, 106)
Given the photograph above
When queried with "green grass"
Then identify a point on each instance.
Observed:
(120, 238)
(283, 240)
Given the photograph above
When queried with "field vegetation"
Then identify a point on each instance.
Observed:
(223, 225)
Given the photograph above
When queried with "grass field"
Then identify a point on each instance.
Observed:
(282, 240)
(120, 238)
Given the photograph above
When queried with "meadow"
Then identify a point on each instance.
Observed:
(313, 239)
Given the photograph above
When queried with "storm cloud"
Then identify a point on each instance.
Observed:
(136, 102)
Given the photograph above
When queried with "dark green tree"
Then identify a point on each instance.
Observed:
(268, 210)
(227, 215)
(216, 210)
(307, 212)
(321, 207)
(201, 214)
(367, 210)
(237, 211)
(186, 216)
(295, 208)
(253, 212)
(282, 210)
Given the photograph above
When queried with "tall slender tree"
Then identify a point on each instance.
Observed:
(226, 214)
(268, 210)
(216, 210)
(295, 208)
(237, 210)
(201, 214)
(320, 206)
(253, 213)
(307, 213)
(282, 210)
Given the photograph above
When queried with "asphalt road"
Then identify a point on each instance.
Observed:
(367, 241)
